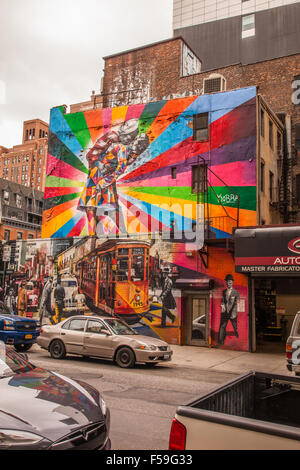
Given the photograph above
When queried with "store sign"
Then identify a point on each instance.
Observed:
(267, 250)
(6, 253)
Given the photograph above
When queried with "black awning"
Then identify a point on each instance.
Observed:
(202, 283)
(275, 248)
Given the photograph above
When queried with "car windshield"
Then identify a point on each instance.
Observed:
(11, 363)
(119, 327)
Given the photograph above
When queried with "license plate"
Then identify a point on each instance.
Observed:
(28, 336)
(166, 356)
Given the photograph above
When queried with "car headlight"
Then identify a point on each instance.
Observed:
(102, 406)
(12, 438)
(147, 347)
(9, 325)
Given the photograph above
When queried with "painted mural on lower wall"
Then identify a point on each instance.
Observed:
(162, 288)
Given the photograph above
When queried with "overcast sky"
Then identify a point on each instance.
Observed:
(51, 51)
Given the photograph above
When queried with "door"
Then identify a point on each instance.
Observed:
(96, 341)
(72, 334)
(197, 326)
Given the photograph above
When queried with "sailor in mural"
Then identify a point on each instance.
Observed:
(108, 160)
(167, 299)
(229, 312)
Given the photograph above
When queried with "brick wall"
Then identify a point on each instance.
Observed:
(155, 70)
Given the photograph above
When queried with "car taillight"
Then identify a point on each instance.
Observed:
(41, 330)
(177, 436)
(289, 351)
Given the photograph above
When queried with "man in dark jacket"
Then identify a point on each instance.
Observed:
(229, 302)
(168, 301)
(59, 296)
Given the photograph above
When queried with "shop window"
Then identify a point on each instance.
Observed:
(200, 127)
(298, 188)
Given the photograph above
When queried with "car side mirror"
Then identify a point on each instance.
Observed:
(104, 331)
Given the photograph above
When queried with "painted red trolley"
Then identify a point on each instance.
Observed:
(115, 277)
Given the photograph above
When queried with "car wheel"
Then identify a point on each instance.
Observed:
(22, 347)
(125, 358)
(57, 349)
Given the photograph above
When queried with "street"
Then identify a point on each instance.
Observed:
(142, 401)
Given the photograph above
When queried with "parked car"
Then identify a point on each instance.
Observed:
(43, 410)
(293, 347)
(104, 337)
(256, 411)
(18, 331)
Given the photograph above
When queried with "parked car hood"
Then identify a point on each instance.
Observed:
(46, 403)
(4, 316)
(148, 340)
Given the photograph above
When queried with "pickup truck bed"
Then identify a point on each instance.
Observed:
(255, 411)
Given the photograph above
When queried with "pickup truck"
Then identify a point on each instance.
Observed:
(293, 347)
(18, 331)
(256, 411)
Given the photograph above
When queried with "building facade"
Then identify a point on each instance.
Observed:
(21, 211)
(167, 181)
(228, 32)
(25, 164)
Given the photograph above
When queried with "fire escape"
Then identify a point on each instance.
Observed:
(212, 224)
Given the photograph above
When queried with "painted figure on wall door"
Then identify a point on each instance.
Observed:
(167, 299)
(108, 160)
(229, 309)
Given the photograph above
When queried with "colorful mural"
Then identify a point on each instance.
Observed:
(130, 169)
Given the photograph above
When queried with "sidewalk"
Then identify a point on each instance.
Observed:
(237, 362)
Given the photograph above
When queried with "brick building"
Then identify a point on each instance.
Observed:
(25, 163)
(124, 83)
(21, 211)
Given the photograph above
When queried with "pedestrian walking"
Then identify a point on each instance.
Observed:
(45, 303)
(22, 300)
(10, 301)
(59, 296)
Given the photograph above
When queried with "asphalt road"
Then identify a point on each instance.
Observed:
(142, 401)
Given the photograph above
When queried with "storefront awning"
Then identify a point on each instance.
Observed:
(270, 250)
(202, 283)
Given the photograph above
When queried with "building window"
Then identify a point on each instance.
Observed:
(271, 177)
(248, 26)
(174, 172)
(262, 123)
(262, 177)
(30, 236)
(6, 235)
(6, 197)
(19, 235)
(200, 127)
(18, 201)
(271, 134)
(199, 178)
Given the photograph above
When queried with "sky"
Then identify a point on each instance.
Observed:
(51, 51)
